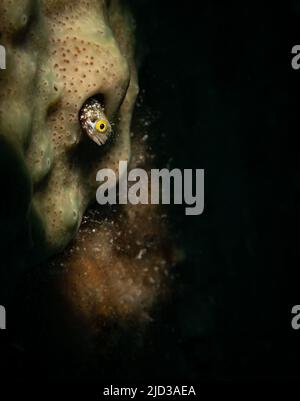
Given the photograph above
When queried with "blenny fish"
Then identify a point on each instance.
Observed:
(94, 122)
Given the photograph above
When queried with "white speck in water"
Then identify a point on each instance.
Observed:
(141, 253)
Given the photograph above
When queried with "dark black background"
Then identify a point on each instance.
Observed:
(218, 79)
(219, 75)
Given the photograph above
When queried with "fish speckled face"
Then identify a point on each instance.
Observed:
(94, 122)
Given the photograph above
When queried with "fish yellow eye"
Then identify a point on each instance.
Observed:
(101, 126)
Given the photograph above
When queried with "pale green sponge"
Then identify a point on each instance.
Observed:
(59, 54)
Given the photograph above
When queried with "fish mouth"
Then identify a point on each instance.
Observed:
(101, 139)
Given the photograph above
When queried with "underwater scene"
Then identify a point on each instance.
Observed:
(149, 202)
